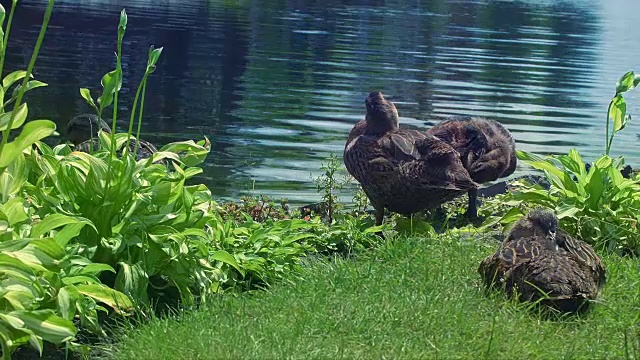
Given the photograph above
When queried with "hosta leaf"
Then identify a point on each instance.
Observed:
(54, 221)
(86, 95)
(15, 268)
(80, 279)
(567, 210)
(66, 301)
(228, 259)
(40, 253)
(133, 280)
(113, 298)
(190, 153)
(18, 120)
(617, 112)
(14, 211)
(33, 84)
(626, 82)
(11, 78)
(109, 83)
(96, 269)
(31, 132)
(46, 324)
(15, 177)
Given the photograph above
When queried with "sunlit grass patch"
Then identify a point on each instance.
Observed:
(413, 298)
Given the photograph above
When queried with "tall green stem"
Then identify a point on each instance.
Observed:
(607, 142)
(5, 40)
(32, 63)
(144, 91)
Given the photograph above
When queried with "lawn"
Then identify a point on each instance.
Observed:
(413, 298)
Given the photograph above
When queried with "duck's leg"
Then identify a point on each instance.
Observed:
(379, 214)
(379, 218)
(472, 209)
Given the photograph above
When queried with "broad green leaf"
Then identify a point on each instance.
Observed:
(617, 112)
(14, 178)
(567, 210)
(96, 268)
(154, 55)
(46, 324)
(133, 280)
(227, 258)
(80, 279)
(54, 221)
(19, 119)
(11, 78)
(511, 216)
(109, 83)
(86, 95)
(15, 268)
(113, 298)
(33, 84)
(40, 254)
(190, 153)
(68, 232)
(14, 211)
(66, 301)
(603, 162)
(31, 132)
(625, 83)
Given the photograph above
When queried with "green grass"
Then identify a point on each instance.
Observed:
(412, 299)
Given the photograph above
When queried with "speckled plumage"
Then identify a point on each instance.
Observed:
(487, 149)
(402, 170)
(537, 257)
(82, 128)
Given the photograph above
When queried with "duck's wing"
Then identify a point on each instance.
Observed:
(400, 145)
(497, 268)
(556, 280)
(583, 253)
(443, 167)
(520, 250)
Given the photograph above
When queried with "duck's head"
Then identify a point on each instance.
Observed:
(382, 115)
(84, 127)
(538, 222)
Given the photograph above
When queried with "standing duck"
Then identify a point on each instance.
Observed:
(538, 258)
(82, 131)
(402, 170)
(486, 148)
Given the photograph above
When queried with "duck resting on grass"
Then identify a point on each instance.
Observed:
(486, 148)
(402, 170)
(538, 261)
(82, 128)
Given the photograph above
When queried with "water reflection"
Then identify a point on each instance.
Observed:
(277, 87)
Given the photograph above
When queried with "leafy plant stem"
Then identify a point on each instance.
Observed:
(608, 140)
(32, 63)
(6, 39)
(121, 30)
(144, 91)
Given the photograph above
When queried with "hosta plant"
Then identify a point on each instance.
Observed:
(598, 205)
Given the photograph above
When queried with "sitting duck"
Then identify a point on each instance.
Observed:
(486, 148)
(82, 128)
(538, 258)
(402, 170)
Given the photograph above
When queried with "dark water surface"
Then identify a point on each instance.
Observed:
(277, 87)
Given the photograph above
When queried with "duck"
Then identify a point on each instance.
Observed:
(402, 170)
(82, 131)
(486, 148)
(537, 257)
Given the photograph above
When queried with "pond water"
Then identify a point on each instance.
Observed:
(276, 88)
